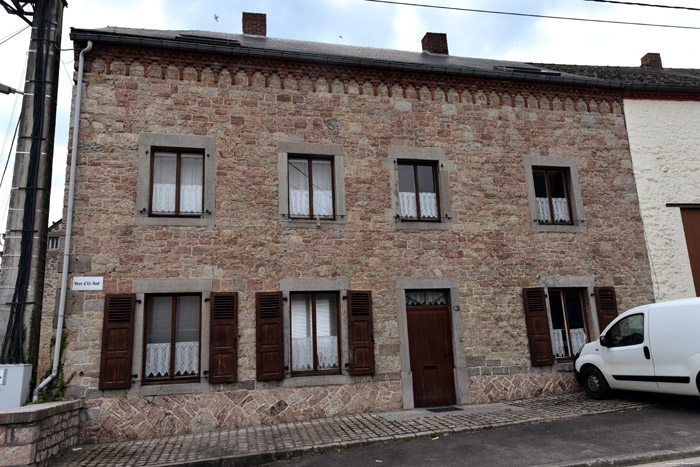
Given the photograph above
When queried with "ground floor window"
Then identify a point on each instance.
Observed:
(568, 318)
(314, 328)
(172, 337)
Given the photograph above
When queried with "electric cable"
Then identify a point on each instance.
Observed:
(9, 155)
(7, 38)
(530, 15)
(645, 4)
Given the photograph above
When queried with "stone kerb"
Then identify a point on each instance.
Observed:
(33, 434)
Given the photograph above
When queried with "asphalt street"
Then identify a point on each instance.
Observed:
(667, 433)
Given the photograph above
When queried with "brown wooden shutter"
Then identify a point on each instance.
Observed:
(270, 340)
(223, 338)
(538, 327)
(117, 341)
(360, 333)
(606, 304)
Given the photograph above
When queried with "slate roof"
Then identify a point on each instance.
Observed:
(669, 79)
(632, 75)
(242, 44)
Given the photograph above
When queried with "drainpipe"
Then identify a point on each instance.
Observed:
(69, 216)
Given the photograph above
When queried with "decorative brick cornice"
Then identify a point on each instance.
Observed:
(290, 73)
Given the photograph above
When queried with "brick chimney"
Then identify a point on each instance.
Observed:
(255, 24)
(651, 60)
(435, 43)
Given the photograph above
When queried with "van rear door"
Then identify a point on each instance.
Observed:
(674, 333)
(627, 357)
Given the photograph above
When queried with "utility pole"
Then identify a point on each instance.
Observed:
(23, 259)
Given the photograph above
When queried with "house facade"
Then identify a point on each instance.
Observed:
(289, 230)
(662, 107)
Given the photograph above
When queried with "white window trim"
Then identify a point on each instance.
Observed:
(307, 149)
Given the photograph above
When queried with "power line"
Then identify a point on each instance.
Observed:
(9, 155)
(645, 4)
(529, 15)
(7, 38)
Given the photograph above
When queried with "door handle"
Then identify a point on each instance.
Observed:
(646, 353)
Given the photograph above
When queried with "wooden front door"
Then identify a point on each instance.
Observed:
(691, 225)
(430, 347)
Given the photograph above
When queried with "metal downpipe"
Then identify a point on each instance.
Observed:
(69, 216)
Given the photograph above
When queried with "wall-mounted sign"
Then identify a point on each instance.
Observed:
(87, 283)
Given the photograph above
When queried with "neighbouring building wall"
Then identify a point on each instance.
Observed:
(487, 248)
(663, 139)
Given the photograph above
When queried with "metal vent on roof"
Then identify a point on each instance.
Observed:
(208, 40)
(530, 71)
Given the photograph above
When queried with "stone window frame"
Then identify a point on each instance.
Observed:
(332, 151)
(337, 285)
(576, 201)
(587, 283)
(144, 287)
(147, 143)
(461, 375)
(444, 168)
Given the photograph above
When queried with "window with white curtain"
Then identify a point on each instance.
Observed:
(552, 195)
(311, 188)
(418, 194)
(178, 183)
(172, 337)
(314, 329)
(568, 318)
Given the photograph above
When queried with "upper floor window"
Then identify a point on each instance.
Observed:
(176, 180)
(53, 243)
(552, 195)
(178, 183)
(172, 337)
(418, 194)
(311, 194)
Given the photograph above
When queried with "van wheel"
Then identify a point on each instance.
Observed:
(697, 382)
(594, 383)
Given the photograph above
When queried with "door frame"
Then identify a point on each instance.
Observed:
(461, 376)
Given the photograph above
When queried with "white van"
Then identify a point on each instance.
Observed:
(649, 348)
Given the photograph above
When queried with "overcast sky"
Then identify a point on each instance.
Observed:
(369, 24)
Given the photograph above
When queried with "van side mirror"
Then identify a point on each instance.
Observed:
(603, 340)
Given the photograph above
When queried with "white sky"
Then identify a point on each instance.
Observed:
(362, 23)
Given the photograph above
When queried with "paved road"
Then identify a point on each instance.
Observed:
(627, 438)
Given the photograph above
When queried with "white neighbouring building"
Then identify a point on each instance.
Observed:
(662, 113)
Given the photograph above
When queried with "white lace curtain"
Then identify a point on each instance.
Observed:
(158, 336)
(561, 210)
(299, 205)
(302, 332)
(578, 340)
(158, 359)
(165, 183)
(428, 205)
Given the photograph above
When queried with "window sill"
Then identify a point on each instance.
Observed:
(576, 227)
(191, 221)
(445, 224)
(141, 388)
(317, 380)
(287, 223)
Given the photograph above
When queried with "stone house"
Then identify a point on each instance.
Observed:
(320, 229)
(662, 112)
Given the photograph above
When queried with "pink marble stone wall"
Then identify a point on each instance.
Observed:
(107, 420)
(485, 389)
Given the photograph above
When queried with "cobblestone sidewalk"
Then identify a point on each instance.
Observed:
(267, 443)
